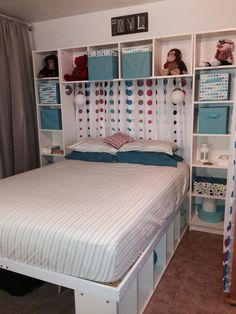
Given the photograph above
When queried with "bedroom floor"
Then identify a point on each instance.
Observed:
(191, 285)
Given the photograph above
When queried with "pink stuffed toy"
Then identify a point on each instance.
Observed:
(223, 54)
(80, 72)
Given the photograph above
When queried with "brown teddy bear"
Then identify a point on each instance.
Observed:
(80, 72)
(174, 64)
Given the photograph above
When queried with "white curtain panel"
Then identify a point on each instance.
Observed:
(142, 108)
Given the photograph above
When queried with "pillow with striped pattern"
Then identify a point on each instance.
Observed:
(118, 139)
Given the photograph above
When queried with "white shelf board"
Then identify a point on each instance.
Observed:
(198, 164)
(47, 78)
(215, 102)
(208, 196)
(222, 67)
(53, 155)
(50, 130)
(200, 225)
(211, 135)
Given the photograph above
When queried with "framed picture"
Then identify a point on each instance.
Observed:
(129, 24)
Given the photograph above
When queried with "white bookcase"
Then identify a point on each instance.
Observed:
(195, 48)
(219, 144)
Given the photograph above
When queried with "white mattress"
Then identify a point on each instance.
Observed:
(85, 219)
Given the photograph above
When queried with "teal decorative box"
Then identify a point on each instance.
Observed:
(213, 120)
(50, 118)
(49, 92)
(136, 62)
(103, 65)
(214, 86)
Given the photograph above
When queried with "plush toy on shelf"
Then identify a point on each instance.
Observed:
(223, 54)
(80, 72)
(51, 67)
(174, 65)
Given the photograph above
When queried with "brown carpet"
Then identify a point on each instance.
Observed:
(191, 285)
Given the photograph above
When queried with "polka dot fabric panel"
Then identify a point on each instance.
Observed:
(140, 108)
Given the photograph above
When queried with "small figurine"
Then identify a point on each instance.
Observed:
(223, 54)
(80, 72)
(174, 64)
(51, 67)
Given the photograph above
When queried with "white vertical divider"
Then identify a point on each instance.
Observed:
(145, 284)
(129, 303)
(88, 304)
(160, 264)
(177, 228)
(170, 242)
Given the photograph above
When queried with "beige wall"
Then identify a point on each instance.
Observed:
(167, 17)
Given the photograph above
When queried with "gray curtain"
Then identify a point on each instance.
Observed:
(18, 131)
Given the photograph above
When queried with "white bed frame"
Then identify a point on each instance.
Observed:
(132, 294)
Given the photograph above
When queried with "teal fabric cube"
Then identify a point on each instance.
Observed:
(213, 120)
(102, 67)
(137, 65)
(51, 118)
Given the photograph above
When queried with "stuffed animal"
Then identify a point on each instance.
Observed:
(223, 54)
(51, 67)
(80, 72)
(174, 64)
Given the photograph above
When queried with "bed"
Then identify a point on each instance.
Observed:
(106, 230)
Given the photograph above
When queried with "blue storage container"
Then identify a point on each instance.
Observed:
(51, 118)
(103, 65)
(49, 92)
(215, 217)
(136, 63)
(213, 120)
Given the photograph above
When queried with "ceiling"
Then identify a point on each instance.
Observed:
(40, 10)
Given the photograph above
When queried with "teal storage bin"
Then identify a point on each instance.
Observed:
(102, 67)
(213, 120)
(137, 65)
(215, 217)
(51, 118)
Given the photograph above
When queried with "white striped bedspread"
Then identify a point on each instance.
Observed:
(86, 219)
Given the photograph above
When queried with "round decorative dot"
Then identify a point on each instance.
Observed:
(80, 120)
(129, 92)
(140, 102)
(175, 112)
(101, 118)
(149, 102)
(140, 92)
(149, 121)
(87, 110)
(101, 109)
(87, 93)
(149, 112)
(101, 92)
(141, 120)
(140, 83)
(111, 102)
(101, 101)
(149, 92)
(129, 102)
(140, 112)
(128, 83)
(111, 92)
(80, 111)
(97, 102)
(175, 122)
(149, 82)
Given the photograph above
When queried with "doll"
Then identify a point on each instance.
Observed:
(174, 64)
(51, 67)
(223, 54)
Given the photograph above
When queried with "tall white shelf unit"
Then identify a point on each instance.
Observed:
(205, 48)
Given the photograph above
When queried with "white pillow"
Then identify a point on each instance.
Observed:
(150, 146)
(93, 145)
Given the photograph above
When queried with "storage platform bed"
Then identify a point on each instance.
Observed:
(93, 227)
